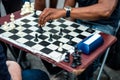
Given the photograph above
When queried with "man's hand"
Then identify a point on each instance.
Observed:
(51, 14)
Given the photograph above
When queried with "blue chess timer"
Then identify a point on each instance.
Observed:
(90, 43)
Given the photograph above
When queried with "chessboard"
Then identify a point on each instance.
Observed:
(53, 40)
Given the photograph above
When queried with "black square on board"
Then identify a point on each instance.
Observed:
(1, 31)
(63, 25)
(53, 31)
(25, 20)
(75, 25)
(13, 31)
(26, 25)
(30, 43)
(27, 31)
(44, 43)
(29, 37)
(46, 50)
(43, 37)
(14, 37)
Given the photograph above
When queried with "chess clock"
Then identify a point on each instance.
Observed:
(90, 43)
(68, 10)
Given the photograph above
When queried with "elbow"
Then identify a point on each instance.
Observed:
(106, 14)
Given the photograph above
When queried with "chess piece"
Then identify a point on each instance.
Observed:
(60, 47)
(20, 30)
(36, 38)
(90, 30)
(78, 60)
(50, 21)
(27, 7)
(35, 15)
(50, 37)
(32, 7)
(12, 25)
(74, 62)
(75, 51)
(41, 29)
(12, 17)
(70, 40)
(67, 57)
(79, 57)
(5, 26)
(61, 30)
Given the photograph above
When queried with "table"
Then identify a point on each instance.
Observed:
(86, 59)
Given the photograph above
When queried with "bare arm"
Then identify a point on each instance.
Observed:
(70, 3)
(14, 70)
(102, 9)
(40, 5)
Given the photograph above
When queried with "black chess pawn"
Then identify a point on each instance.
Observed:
(90, 30)
(70, 40)
(36, 37)
(79, 52)
(35, 15)
(41, 29)
(67, 57)
(61, 32)
(78, 60)
(75, 51)
(50, 37)
(50, 21)
(74, 62)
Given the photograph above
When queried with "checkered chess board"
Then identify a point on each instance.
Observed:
(24, 35)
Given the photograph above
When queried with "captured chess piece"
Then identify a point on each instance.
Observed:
(74, 62)
(36, 37)
(75, 51)
(78, 62)
(67, 57)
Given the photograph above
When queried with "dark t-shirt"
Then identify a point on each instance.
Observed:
(4, 74)
(112, 20)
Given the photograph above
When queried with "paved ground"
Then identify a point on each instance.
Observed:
(36, 62)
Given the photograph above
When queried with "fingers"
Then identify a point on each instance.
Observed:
(45, 16)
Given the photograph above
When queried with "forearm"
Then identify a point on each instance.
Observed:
(70, 3)
(40, 5)
(14, 70)
(103, 9)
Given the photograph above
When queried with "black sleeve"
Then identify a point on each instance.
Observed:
(4, 74)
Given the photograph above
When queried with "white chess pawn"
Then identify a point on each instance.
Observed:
(60, 47)
(32, 8)
(22, 11)
(20, 29)
(12, 17)
(12, 25)
(27, 7)
(5, 26)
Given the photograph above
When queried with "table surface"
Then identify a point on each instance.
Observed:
(86, 59)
